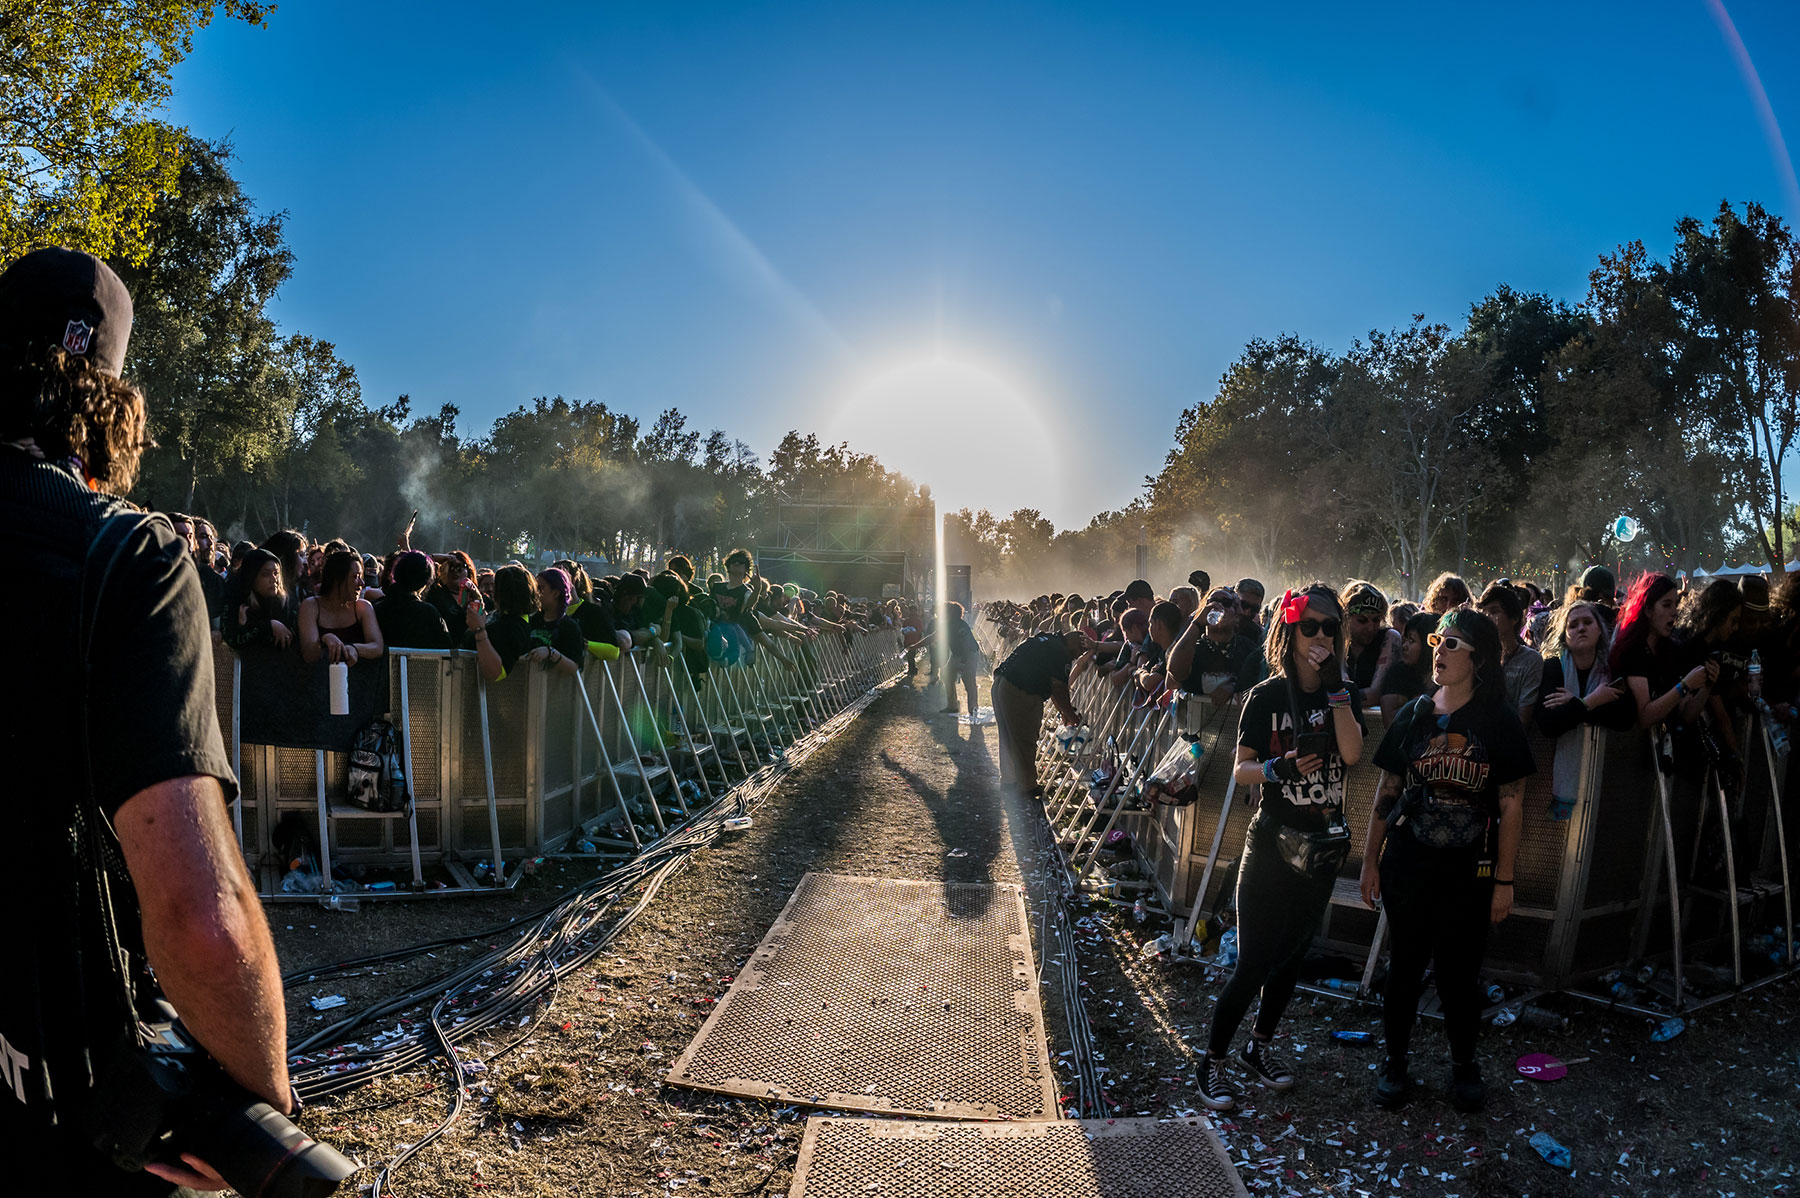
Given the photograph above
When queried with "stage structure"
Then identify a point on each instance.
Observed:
(834, 541)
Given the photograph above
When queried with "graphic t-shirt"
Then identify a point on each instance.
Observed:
(1465, 756)
(1267, 727)
(1237, 661)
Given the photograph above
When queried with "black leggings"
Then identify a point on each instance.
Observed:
(1438, 915)
(1278, 913)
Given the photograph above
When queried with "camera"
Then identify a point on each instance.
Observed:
(155, 1100)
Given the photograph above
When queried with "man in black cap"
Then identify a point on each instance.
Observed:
(123, 855)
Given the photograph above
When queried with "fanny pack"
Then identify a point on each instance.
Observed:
(1311, 854)
(1440, 823)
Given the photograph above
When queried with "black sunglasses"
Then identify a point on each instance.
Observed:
(1310, 627)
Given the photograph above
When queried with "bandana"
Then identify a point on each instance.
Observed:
(1293, 607)
(1366, 607)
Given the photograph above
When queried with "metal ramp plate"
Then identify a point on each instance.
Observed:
(895, 997)
(1097, 1158)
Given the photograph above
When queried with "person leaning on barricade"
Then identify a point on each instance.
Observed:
(1035, 673)
(1212, 657)
(1442, 840)
(1300, 731)
(123, 855)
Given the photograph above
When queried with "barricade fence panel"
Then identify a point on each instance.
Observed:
(1591, 891)
(533, 776)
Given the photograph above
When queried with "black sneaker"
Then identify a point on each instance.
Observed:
(1264, 1067)
(1468, 1093)
(1392, 1086)
(1213, 1090)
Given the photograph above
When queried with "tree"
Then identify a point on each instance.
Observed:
(83, 159)
(202, 347)
(1244, 467)
(1398, 427)
(1736, 287)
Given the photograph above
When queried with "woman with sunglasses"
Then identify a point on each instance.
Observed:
(1443, 837)
(1301, 729)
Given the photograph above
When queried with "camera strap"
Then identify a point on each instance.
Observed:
(99, 860)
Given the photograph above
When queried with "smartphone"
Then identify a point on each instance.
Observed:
(1314, 744)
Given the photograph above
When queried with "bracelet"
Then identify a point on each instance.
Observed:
(1681, 689)
(1503, 882)
(1268, 770)
(1339, 698)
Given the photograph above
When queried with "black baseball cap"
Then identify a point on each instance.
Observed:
(63, 297)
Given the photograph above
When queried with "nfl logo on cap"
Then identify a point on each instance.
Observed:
(77, 335)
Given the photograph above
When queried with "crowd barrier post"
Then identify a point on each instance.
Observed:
(606, 763)
(641, 772)
(1212, 858)
(406, 758)
(662, 741)
(1156, 720)
(487, 765)
(1789, 937)
(735, 733)
(237, 751)
(689, 747)
(1715, 781)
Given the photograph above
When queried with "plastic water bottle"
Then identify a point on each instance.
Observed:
(1755, 675)
(1157, 947)
(1341, 985)
(1538, 1017)
(738, 823)
(1645, 973)
(341, 902)
(1495, 994)
(1140, 911)
(1213, 617)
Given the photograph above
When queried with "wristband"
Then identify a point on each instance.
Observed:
(1503, 881)
(1268, 768)
(1339, 698)
(1681, 689)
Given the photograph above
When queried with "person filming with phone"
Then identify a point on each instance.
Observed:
(126, 892)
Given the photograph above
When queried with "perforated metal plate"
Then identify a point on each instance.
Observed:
(896, 997)
(1099, 1158)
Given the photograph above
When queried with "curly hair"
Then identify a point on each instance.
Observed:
(72, 409)
(1278, 642)
(1449, 589)
(1704, 611)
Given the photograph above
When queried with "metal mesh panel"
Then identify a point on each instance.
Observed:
(424, 681)
(559, 712)
(877, 995)
(1116, 1158)
(294, 773)
(507, 703)
(1626, 805)
(428, 828)
(358, 833)
(1543, 840)
(1359, 791)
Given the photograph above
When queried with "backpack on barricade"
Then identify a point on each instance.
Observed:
(377, 776)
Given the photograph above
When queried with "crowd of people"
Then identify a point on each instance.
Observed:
(1458, 678)
(330, 601)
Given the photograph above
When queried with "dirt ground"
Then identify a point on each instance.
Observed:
(578, 1106)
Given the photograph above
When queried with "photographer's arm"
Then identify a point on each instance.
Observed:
(204, 929)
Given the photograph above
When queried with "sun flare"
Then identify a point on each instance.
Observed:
(965, 431)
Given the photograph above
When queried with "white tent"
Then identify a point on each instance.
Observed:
(1738, 571)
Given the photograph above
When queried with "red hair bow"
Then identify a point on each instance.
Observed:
(1293, 606)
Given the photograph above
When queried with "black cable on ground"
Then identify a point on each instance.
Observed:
(548, 943)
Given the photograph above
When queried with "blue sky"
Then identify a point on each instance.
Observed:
(749, 211)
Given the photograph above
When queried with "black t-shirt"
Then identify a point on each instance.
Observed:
(1037, 665)
(407, 622)
(152, 716)
(963, 646)
(1469, 754)
(1237, 658)
(1363, 665)
(511, 638)
(564, 636)
(444, 599)
(1267, 727)
(212, 587)
(595, 616)
(688, 621)
(1662, 668)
